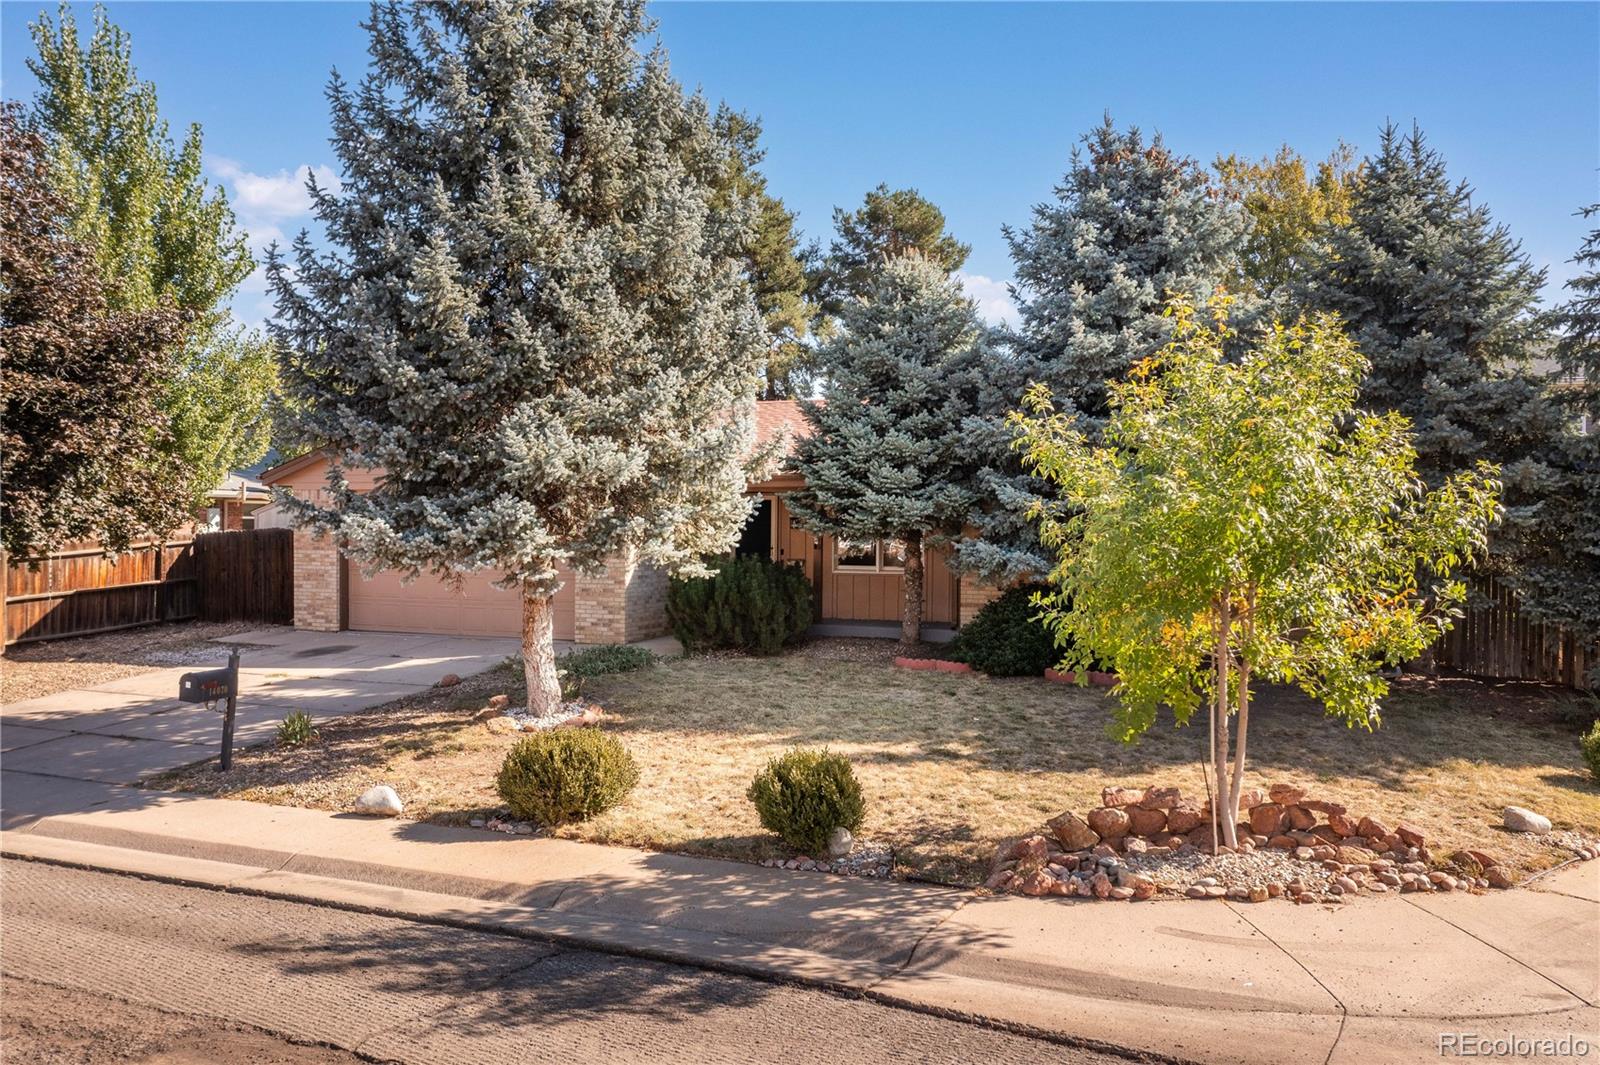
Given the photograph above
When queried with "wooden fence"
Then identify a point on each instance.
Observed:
(1496, 638)
(80, 590)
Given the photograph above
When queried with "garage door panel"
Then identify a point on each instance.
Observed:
(384, 603)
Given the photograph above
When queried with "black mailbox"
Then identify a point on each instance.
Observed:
(207, 686)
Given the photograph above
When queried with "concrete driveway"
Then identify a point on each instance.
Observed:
(122, 730)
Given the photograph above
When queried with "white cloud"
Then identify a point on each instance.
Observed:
(272, 197)
(991, 296)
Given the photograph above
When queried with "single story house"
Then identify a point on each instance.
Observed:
(854, 582)
(234, 503)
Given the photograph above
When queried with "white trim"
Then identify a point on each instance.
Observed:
(876, 566)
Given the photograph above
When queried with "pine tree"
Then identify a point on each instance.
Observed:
(531, 318)
(889, 223)
(81, 438)
(774, 260)
(1559, 575)
(1444, 304)
(888, 453)
(161, 235)
(1132, 226)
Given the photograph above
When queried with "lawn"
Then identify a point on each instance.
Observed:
(950, 764)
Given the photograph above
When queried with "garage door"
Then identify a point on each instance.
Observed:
(427, 604)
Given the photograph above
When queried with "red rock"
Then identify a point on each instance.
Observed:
(449, 680)
(1372, 828)
(1342, 825)
(1259, 894)
(1100, 883)
(1251, 797)
(1120, 796)
(1328, 808)
(1160, 798)
(1484, 858)
(1326, 832)
(1036, 883)
(1498, 877)
(1146, 822)
(1109, 822)
(999, 879)
(1073, 831)
(1030, 849)
(1356, 855)
(1282, 843)
(1286, 794)
(1184, 817)
(1143, 888)
(1409, 834)
(1265, 819)
(1298, 817)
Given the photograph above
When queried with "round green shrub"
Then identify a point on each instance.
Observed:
(1590, 743)
(751, 604)
(804, 794)
(1004, 640)
(565, 775)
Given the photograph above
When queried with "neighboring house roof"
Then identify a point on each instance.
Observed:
(242, 488)
(775, 416)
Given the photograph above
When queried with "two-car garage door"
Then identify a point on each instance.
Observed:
(384, 604)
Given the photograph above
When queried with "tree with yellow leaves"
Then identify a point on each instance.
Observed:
(1240, 522)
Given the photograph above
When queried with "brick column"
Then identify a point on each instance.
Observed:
(627, 602)
(318, 583)
(974, 597)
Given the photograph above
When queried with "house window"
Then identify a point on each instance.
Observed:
(868, 556)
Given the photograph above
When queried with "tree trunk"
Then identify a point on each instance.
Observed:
(1242, 698)
(539, 652)
(911, 612)
(1224, 815)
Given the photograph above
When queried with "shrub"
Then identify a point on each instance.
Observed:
(752, 604)
(1590, 743)
(565, 775)
(1004, 640)
(804, 795)
(295, 729)
(579, 666)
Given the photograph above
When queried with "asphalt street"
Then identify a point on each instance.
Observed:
(104, 968)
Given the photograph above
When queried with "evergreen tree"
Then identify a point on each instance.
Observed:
(1132, 225)
(1444, 304)
(161, 235)
(888, 454)
(81, 439)
(532, 319)
(890, 223)
(1560, 575)
(774, 261)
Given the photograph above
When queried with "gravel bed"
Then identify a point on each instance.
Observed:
(867, 858)
(531, 722)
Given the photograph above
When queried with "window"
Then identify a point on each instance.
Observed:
(869, 556)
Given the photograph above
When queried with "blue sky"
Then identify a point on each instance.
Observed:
(977, 105)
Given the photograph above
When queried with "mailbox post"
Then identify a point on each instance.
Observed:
(211, 686)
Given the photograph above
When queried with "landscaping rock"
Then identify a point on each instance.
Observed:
(1121, 796)
(1372, 828)
(1030, 849)
(1184, 817)
(1109, 822)
(1143, 821)
(498, 702)
(1286, 794)
(839, 842)
(1518, 819)
(1341, 825)
(1160, 798)
(449, 680)
(379, 801)
(501, 725)
(1299, 818)
(1073, 832)
(1265, 819)
(1496, 877)
(1409, 834)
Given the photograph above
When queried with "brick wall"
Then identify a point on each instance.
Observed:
(625, 603)
(974, 597)
(318, 579)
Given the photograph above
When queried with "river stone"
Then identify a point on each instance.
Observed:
(839, 842)
(1521, 820)
(380, 801)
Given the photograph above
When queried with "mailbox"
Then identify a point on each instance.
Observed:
(216, 686)
(206, 686)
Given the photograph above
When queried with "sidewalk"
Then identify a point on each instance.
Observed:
(1373, 981)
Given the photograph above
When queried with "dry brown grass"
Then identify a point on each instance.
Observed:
(952, 764)
(30, 670)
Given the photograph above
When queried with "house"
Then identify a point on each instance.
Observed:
(234, 502)
(855, 583)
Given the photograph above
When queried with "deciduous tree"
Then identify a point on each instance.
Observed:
(82, 450)
(162, 234)
(532, 317)
(1245, 522)
(1290, 209)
